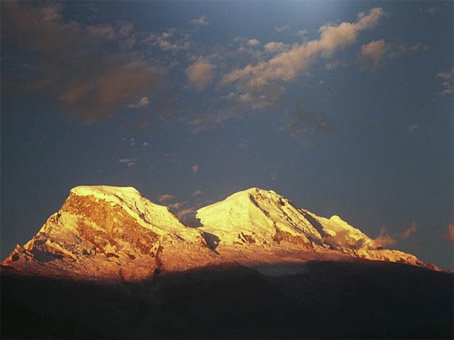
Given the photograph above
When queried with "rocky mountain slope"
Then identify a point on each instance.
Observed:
(113, 233)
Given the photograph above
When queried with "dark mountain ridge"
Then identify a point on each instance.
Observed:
(361, 299)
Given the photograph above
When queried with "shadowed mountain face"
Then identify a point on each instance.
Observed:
(110, 263)
(362, 299)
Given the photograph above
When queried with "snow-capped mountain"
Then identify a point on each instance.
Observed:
(110, 233)
(113, 233)
(265, 218)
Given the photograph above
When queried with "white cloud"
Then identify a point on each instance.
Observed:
(144, 101)
(200, 74)
(290, 64)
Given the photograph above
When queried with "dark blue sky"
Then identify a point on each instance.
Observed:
(344, 107)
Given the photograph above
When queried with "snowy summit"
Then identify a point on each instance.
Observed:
(113, 233)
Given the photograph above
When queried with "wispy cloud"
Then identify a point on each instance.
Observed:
(166, 198)
(253, 42)
(177, 205)
(281, 28)
(200, 21)
(129, 162)
(305, 124)
(98, 96)
(197, 193)
(144, 101)
(256, 79)
(70, 65)
(450, 232)
(447, 82)
(211, 119)
(335, 64)
(376, 53)
(188, 217)
(276, 47)
(409, 231)
(384, 239)
(172, 40)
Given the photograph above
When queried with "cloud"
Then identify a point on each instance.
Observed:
(413, 127)
(432, 10)
(375, 53)
(125, 28)
(200, 74)
(281, 28)
(144, 101)
(101, 32)
(384, 239)
(188, 217)
(306, 124)
(372, 54)
(409, 231)
(195, 168)
(166, 198)
(450, 233)
(51, 12)
(447, 83)
(197, 193)
(200, 21)
(275, 47)
(129, 162)
(71, 67)
(172, 40)
(253, 42)
(207, 120)
(287, 65)
(335, 64)
(177, 205)
(97, 96)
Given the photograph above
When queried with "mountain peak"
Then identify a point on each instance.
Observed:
(113, 232)
(108, 193)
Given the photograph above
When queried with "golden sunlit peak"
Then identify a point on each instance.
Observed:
(108, 193)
